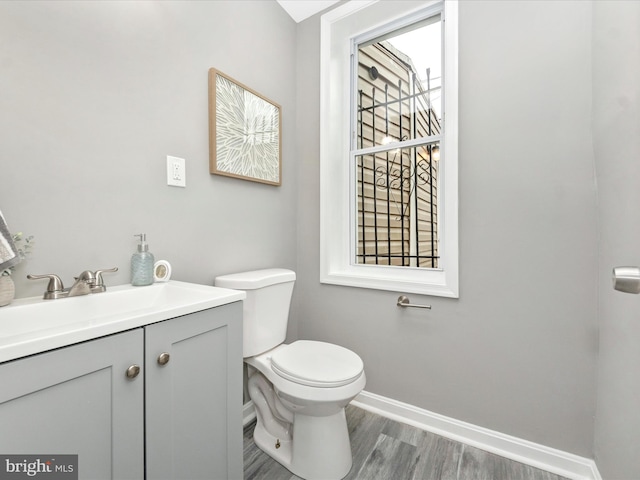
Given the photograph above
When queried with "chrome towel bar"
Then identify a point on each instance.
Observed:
(403, 301)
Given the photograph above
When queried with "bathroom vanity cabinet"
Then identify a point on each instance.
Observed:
(162, 401)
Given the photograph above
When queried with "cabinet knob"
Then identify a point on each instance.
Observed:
(163, 358)
(133, 371)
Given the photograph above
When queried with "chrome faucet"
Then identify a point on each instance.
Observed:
(85, 283)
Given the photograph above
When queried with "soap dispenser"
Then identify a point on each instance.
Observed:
(142, 263)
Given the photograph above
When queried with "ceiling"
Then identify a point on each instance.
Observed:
(299, 10)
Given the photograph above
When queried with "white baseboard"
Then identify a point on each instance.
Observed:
(539, 456)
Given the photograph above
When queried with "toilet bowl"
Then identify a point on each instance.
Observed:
(301, 421)
(299, 390)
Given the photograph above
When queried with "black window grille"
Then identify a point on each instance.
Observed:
(397, 188)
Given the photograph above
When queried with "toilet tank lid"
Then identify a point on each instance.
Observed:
(255, 279)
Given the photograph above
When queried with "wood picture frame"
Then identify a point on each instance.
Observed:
(245, 127)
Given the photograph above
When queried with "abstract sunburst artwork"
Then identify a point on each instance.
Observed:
(244, 131)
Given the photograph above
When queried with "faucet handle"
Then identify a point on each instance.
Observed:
(99, 282)
(53, 288)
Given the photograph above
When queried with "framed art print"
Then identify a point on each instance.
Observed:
(244, 132)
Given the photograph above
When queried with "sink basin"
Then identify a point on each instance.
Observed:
(33, 325)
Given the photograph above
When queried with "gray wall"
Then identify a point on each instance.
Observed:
(517, 352)
(616, 126)
(94, 95)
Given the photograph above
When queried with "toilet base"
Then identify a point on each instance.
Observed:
(320, 448)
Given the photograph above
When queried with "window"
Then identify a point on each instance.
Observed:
(396, 120)
(389, 147)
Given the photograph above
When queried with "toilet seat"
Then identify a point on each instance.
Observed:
(317, 364)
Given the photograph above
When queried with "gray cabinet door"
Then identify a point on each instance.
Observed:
(78, 400)
(194, 400)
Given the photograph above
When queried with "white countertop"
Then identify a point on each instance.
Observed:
(33, 325)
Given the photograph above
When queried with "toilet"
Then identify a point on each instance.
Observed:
(299, 390)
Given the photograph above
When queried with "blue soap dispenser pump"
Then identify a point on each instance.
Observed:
(142, 263)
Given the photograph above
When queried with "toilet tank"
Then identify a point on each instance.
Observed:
(266, 308)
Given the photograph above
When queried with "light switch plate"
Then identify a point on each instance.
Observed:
(176, 172)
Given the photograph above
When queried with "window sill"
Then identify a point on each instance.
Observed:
(394, 279)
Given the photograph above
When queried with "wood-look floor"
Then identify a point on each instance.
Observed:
(387, 450)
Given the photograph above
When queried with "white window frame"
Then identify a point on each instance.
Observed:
(337, 203)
